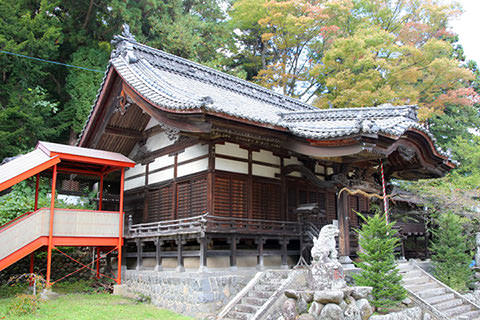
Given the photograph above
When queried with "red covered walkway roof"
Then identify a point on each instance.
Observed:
(70, 159)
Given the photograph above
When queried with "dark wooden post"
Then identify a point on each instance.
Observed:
(260, 242)
(250, 186)
(233, 252)
(139, 254)
(284, 242)
(203, 254)
(343, 225)
(180, 266)
(210, 177)
(283, 191)
(174, 187)
(158, 254)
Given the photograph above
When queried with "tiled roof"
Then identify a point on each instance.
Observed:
(333, 123)
(179, 85)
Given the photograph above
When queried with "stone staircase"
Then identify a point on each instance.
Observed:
(442, 301)
(257, 292)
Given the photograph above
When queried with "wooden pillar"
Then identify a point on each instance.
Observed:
(174, 187)
(50, 232)
(203, 254)
(180, 266)
(233, 252)
(145, 193)
(210, 177)
(140, 244)
(100, 194)
(37, 184)
(343, 225)
(250, 186)
(284, 243)
(120, 228)
(158, 254)
(283, 191)
(260, 242)
(98, 264)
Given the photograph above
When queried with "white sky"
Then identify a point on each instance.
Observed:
(468, 28)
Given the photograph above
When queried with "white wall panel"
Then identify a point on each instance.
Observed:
(192, 167)
(138, 169)
(231, 149)
(291, 160)
(265, 171)
(319, 169)
(161, 162)
(193, 152)
(265, 156)
(134, 183)
(231, 165)
(158, 141)
(160, 176)
(151, 123)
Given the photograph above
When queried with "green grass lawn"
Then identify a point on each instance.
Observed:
(92, 306)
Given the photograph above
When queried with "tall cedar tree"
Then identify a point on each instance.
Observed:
(377, 262)
(450, 253)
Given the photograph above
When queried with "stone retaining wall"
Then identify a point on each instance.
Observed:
(196, 294)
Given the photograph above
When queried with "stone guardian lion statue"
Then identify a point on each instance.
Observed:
(324, 246)
(326, 271)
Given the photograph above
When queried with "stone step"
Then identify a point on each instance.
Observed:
(458, 310)
(266, 287)
(431, 292)
(260, 294)
(475, 314)
(439, 298)
(411, 273)
(254, 301)
(270, 281)
(236, 315)
(403, 267)
(276, 274)
(247, 308)
(415, 280)
(448, 304)
(422, 286)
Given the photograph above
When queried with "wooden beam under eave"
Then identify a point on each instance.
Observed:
(124, 132)
(322, 152)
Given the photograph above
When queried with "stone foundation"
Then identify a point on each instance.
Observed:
(194, 294)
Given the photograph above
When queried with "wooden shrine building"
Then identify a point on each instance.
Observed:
(229, 173)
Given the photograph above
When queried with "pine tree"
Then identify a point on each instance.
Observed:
(450, 253)
(377, 262)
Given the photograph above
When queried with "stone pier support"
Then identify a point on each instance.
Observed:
(158, 254)
(180, 266)
(260, 242)
(140, 245)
